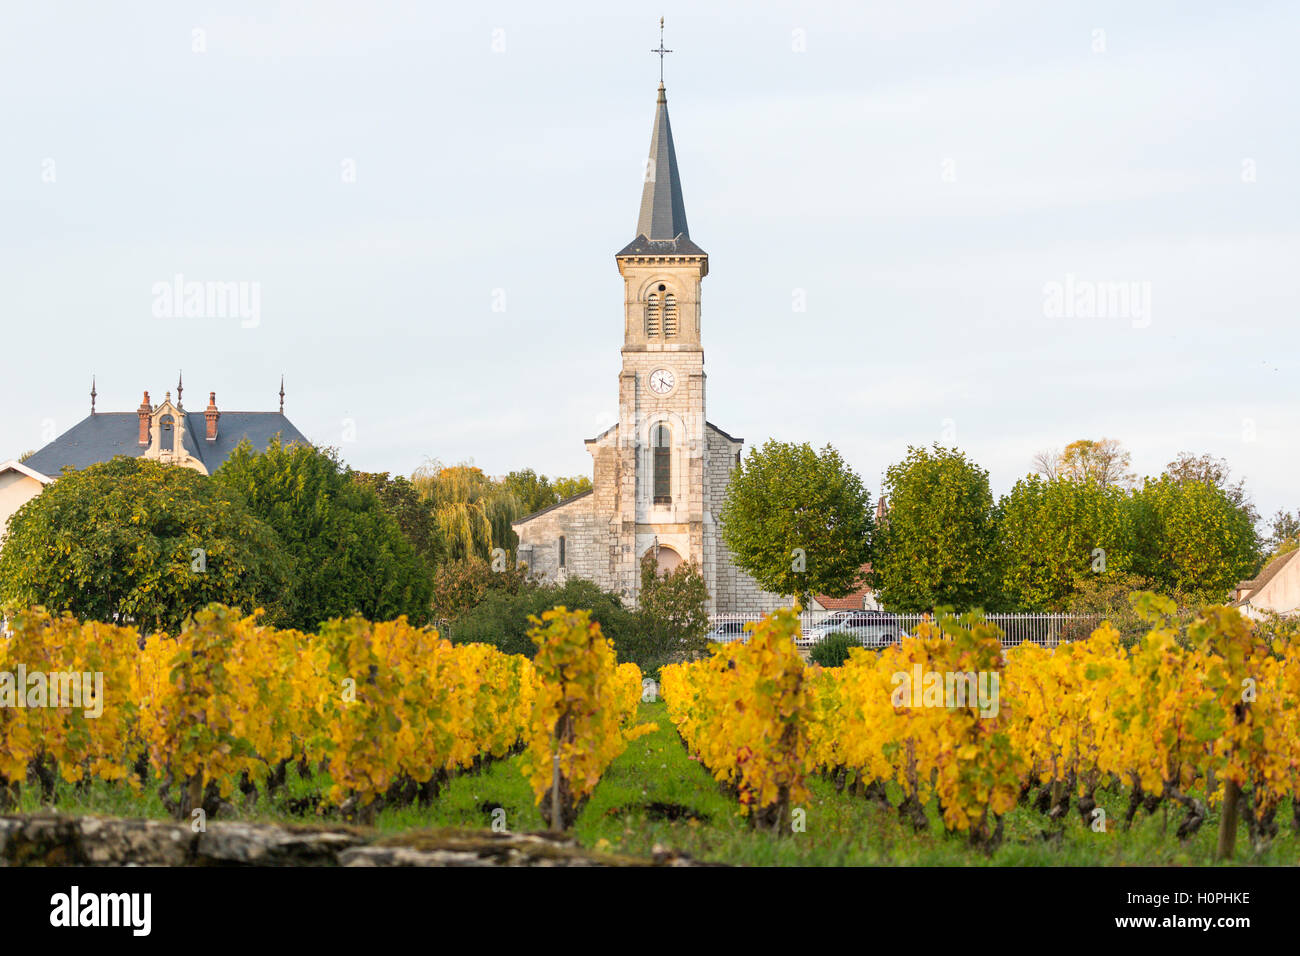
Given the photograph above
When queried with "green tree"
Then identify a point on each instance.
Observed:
(460, 586)
(350, 556)
(413, 515)
(673, 613)
(138, 541)
(1283, 533)
(535, 492)
(799, 521)
(1190, 536)
(473, 512)
(1213, 471)
(569, 487)
(937, 544)
(1052, 533)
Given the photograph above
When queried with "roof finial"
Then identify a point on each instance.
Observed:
(661, 51)
(92, 394)
(180, 386)
(281, 393)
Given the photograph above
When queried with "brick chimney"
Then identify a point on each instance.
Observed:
(145, 411)
(211, 415)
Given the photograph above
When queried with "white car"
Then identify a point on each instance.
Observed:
(871, 628)
(726, 631)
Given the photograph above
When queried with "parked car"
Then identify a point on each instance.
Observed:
(727, 631)
(873, 628)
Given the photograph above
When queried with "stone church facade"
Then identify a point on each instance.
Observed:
(660, 474)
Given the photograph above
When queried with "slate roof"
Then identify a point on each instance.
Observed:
(102, 436)
(559, 504)
(738, 441)
(663, 211)
(641, 246)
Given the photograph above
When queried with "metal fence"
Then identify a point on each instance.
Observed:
(1044, 629)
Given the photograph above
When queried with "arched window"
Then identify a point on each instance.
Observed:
(652, 316)
(661, 440)
(670, 316)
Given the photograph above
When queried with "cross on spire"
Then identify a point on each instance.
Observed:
(661, 51)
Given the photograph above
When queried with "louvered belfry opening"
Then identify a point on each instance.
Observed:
(662, 443)
(670, 316)
(652, 316)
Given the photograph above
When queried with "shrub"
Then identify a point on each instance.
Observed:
(833, 649)
(673, 617)
(502, 617)
(460, 585)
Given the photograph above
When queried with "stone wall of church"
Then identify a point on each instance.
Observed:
(585, 548)
(734, 591)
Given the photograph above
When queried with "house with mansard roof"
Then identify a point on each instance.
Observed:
(166, 432)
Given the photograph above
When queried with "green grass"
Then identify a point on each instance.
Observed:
(656, 795)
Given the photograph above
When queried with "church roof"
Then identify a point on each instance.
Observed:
(559, 504)
(103, 435)
(663, 211)
(641, 246)
(731, 438)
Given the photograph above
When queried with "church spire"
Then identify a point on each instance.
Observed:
(663, 212)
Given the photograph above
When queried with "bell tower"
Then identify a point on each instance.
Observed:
(661, 444)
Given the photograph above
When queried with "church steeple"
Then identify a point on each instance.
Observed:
(663, 211)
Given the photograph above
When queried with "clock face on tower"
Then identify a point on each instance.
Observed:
(662, 381)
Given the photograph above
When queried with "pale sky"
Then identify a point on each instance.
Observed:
(917, 173)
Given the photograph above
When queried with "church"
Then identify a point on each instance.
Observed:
(660, 474)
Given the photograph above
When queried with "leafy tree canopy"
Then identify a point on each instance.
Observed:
(402, 501)
(937, 544)
(1283, 532)
(1190, 536)
(350, 556)
(473, 512)
(535, 492)
(799, 521)
(139, 541)
(1052, 532)
(1217, 473)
